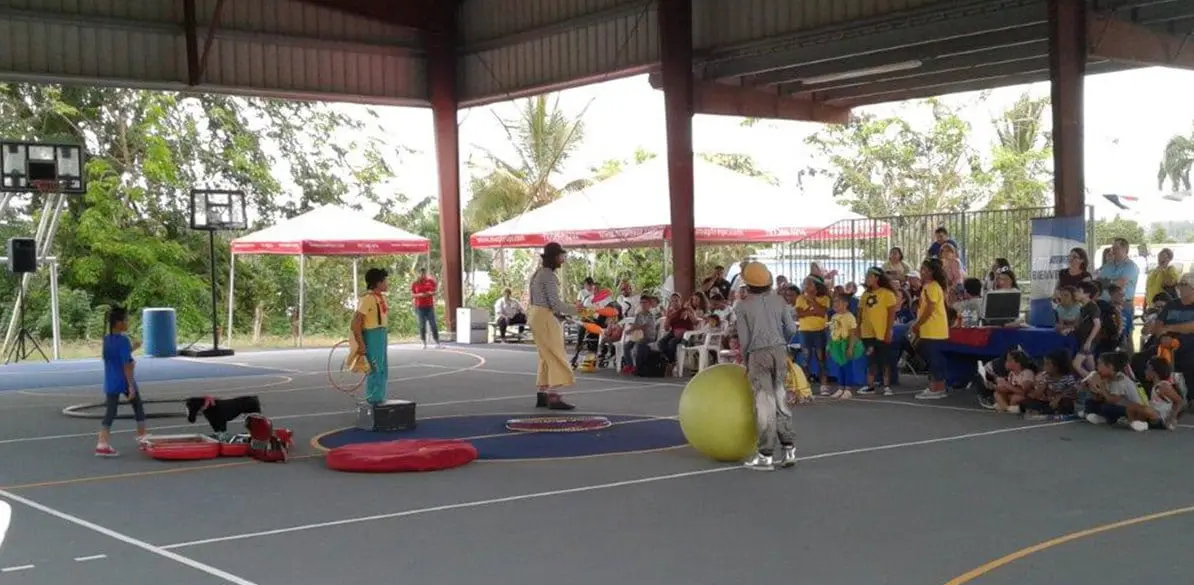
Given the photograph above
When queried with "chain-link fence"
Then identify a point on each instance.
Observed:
(852, 246)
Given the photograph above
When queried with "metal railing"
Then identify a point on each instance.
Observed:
(852, 246)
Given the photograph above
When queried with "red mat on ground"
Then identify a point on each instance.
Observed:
(404, 455)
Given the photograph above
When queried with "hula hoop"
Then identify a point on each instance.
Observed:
(80, 410)
(558, 424)
(332, 365)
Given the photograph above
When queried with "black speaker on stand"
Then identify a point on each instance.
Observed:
(22, 259)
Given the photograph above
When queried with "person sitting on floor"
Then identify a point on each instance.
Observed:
(1056, 388)
(1112, 390)
(1010, 391)
(1165, 404)
(509, 312)
(1068, 310)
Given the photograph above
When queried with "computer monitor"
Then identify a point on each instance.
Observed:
(1001, 307)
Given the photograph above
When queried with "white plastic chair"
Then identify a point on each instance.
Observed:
(5, 520)
(619, 345)
(710, 345)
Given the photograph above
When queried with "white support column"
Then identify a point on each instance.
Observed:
(231, 297)
(302, 295)
(356, 282)
(55, 318)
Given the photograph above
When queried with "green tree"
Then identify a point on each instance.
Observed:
(613, 166)
(543, 137)
(887, 166)
(1107, 230)
(127, 239)
(1158, 235)
(1176, 162)
(1021, 159)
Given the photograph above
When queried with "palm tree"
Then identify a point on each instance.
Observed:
(543, 138)
(1021, 156)
(1176, 163)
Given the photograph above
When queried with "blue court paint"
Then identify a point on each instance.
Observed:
(76, 373)
(642, 434)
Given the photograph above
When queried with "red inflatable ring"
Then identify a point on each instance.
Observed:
(181, 447)
(400, 456)
(237, 446)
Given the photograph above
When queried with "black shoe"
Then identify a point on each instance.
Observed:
(541, 400)
(558, 403)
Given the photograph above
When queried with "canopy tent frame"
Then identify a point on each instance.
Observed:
(326, 231)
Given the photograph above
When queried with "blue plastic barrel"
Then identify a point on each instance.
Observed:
(159, 330)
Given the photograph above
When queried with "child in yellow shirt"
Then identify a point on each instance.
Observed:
(812, 306)
(846, 361)
(877, 311)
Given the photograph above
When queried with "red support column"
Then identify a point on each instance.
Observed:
(1067, 71)
(675, 48)
(441, 81)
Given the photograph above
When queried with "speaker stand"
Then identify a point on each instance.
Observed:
(19, 350)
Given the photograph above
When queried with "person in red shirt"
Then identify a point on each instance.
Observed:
(423, 291)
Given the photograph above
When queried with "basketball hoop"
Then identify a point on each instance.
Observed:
(47, 185)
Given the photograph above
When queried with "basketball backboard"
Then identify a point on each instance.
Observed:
(24, 163)
(217, 210)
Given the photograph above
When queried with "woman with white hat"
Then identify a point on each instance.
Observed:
(545, 308)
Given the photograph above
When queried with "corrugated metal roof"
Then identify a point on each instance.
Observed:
(730, 22)
(602, 48)
(267, 47)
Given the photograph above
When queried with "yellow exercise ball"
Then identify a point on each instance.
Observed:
(717, 413)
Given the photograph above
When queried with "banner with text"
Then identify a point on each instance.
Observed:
(1052, 240)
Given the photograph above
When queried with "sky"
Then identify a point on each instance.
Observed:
(1129, 118)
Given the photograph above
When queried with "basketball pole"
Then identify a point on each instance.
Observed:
(215, 298)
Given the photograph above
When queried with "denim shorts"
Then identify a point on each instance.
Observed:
(814, 340)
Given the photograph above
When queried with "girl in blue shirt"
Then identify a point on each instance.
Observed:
(118, 380)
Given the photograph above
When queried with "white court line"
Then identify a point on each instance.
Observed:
(320, 414)
(589, 488)
(17, 568)
(145, 546)
(90, 558)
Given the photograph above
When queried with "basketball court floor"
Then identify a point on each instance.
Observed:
(888, 490)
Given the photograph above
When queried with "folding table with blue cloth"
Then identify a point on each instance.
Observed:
(967, 345)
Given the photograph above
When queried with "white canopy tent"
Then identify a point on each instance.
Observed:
(632, 209)
(326, 231)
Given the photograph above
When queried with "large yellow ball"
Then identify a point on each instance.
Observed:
(717, 413)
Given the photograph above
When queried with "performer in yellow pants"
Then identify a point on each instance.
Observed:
(554, 370)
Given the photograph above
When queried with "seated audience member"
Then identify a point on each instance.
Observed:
(1165, 404)
(1056, 387)
(1162, 278)
(955, 273)
(1011, 390)
(970, 307)
(627, 300)
(895, 263)
(1176, 321)
(638, 336)
(1112, 391)
(509, 312)
(716, 283)
(1155, 306)
(1068, 310)
(996, 268)
(718, 306)
(680, 319)
(1077, 271)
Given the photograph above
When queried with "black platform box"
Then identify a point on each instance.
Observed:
(391, 415)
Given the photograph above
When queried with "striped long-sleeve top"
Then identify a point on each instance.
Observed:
(545, 292)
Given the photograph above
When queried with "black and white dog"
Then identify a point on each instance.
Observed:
(220, 411)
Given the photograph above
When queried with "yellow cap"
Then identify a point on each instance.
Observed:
(755, 274)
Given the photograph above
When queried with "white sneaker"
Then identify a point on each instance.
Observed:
(760, 462)
(845, 395)
(1139, 425)
(1096, 419)
(928, 394)
(1013, 409)
(866, 390)
(788, 459)
(887, 391)
(826, 390)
